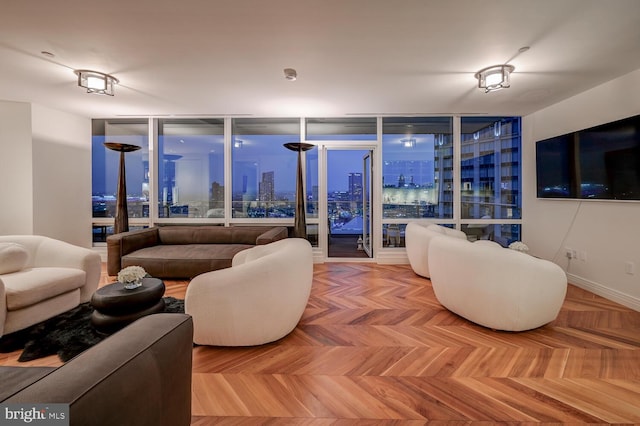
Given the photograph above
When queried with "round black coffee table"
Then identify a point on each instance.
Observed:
(116, 306)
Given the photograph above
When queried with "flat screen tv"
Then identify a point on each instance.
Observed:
(602, 162)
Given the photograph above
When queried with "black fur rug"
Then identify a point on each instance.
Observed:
(66, 335)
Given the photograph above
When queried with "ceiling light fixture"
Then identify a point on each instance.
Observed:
(290, 74)
(96, 82)
(494, 78)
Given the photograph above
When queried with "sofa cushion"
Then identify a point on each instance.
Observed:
(13, 257)
(275, 234)
(188, 251)
(194, 235)
(215, 234)
(183, 260)
(33, 285)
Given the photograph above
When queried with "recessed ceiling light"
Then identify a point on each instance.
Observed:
(47, 54)
(523, 49)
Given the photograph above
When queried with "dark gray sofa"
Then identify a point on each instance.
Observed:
(177, 251)
(140, 375)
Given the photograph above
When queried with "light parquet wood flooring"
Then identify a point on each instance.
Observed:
(375, 347)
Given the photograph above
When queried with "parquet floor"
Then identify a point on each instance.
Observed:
(375, 347)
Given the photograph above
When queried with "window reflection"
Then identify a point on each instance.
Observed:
(490, 168)
(105, 166)
(263, 170)
(190, 172)
(504, 234)
(417, 167)
(393, 234)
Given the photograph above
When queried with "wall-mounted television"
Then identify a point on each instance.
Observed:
(602, 162)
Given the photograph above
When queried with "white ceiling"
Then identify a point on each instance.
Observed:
(353, 57)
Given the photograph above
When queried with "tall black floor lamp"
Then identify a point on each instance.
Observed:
(300, 222)
(122, 215)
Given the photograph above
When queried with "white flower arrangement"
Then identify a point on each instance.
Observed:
(131, 274)
(519, 246)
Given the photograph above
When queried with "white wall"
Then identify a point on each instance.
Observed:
(61, 175)
(45, 173)
(16, 177)
(606, 233)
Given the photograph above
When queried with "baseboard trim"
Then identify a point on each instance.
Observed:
(608, 293)
(392, 257)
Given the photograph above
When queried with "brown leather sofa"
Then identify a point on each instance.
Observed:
(176, 251)
(140, 375)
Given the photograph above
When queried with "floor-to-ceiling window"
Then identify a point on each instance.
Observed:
(199, 165)
(490, 186)
(190, 171)
(105, 168)
(417, 173)
(263, 170)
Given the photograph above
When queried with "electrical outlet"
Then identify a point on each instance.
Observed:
(630, 268)
(582, 256)
(570, 253)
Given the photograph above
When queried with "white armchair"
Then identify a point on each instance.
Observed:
(418, 236)
(496, 287)
(41, 277)
(258, 300)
